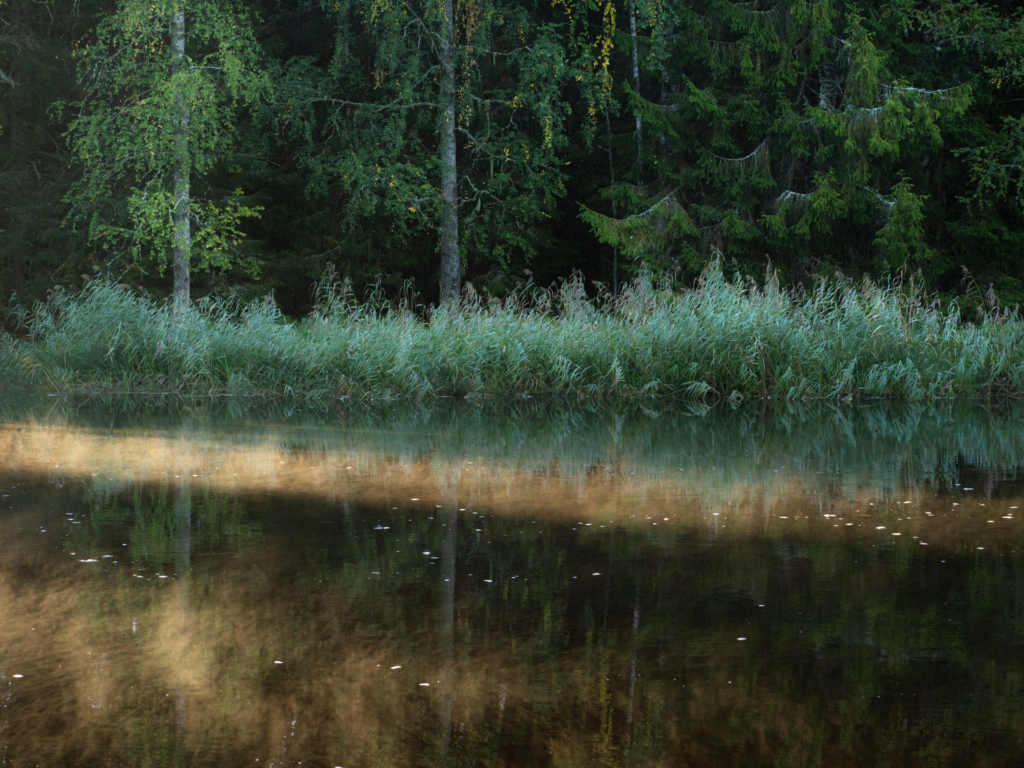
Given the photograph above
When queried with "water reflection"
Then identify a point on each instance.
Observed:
(471, 587)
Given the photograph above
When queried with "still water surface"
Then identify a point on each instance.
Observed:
(474, 586)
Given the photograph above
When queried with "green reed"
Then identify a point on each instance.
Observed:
(724, 339)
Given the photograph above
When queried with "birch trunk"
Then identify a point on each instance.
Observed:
(451, 267)
(181, 219)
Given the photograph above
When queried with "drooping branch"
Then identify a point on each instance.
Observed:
(753, 159)
(788, 196)
(646, 214)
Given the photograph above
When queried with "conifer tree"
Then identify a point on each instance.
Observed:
(782, 126)
(993, 32)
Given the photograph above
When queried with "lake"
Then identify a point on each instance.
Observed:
(224, 583)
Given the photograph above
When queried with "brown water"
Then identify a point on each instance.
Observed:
(474, 586)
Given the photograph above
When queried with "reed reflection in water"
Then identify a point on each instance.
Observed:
(471, 588)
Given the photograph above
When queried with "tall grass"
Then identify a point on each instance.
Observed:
(722, 340)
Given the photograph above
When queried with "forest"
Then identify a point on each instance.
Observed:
(238, 148)
(700, 199)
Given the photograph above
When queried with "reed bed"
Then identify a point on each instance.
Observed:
(725, 339)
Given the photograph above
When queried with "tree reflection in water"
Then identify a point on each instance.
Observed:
(584, 605)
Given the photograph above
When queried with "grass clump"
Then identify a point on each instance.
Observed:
(721, 340)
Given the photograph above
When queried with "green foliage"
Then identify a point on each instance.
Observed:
(901, 240)
(122, 132)
(783, 139)
(858, 135)
(369, 139)
(35, 171)
(997, 37)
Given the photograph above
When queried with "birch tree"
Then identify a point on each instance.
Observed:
(447, 116)
(163, 81)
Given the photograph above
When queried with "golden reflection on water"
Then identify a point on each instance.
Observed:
(115, 666)
(619, 491)
(279, 649)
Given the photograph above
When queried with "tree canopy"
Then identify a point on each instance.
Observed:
(431, 142)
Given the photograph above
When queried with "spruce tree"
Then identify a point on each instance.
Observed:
(782, 133)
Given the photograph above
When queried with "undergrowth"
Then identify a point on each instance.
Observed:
(724, 339)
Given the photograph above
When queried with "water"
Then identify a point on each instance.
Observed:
(483, 586)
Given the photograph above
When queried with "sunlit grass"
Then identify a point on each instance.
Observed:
(723, 340)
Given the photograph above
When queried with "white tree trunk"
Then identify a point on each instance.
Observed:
(182, 165)
(451, 266)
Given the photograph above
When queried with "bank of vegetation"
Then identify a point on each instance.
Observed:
(725, 339)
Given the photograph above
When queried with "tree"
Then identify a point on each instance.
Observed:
(783, 126)
(163, 81)
(35, 173)
(16, 40)
(995, 36)
(444, 117)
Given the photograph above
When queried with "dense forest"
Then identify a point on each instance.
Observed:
(238, 147)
